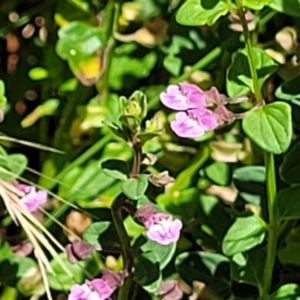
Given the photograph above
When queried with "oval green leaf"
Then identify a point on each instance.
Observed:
(270, 127)
(244, 234)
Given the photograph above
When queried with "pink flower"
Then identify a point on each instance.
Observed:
(213, 97)
(84, 292)
(97, 289)
(183, 96)
(161, 227)
(194, 122)
(32, 199)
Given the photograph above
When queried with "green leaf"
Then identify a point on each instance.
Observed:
(70, 85)
(291, 7)
(288, 253)
(247, 267)
(289, 91)
(201, 12)
(290, 167)
(13, 269)
(15, 164)
(134, 188)
(61, 281)
(270, 127)
(147, 273)
(244, 234)
(132, 228)
(156, 253)
(78, 40)
(288, 203)
(93, 232)
(115, 168)
(172, 64)
(239, 79)
(287, 291)
(88, 184)
(256, 4)
(38, 73)
(251, 183)
(177, 43)
(219, 173)
(3, 99)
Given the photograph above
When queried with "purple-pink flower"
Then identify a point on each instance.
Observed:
(99, 288)
(194, 122)
(32, 199)
(194, 118)
(161, 227)
(183, 96)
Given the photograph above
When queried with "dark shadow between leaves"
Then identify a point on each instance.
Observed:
(191, 267)
(209, 4)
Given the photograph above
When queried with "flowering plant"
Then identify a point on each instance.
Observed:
(149, 150)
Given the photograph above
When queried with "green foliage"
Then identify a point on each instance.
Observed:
(247, 267)
(198, 13)
(211, 268)
(290, 167)
(288, 203)
(85, 121)
(11, 166)
(289, 91)
(256, 4)
(244, 234)
(61, 281)
(287, 291)
(270, 127)
(290, 8)
(3, 99)
(239, 80)
(134, 188)
(78, 40)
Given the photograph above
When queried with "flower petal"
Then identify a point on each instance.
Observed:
(186, 126)
(183, 96)
(102, 288)
(205, 117)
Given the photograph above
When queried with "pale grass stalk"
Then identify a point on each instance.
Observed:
(34, 230)
(30, 144)
(38, 186)
(66, 229)
(41, 237)
(6, 202)
(37, 248)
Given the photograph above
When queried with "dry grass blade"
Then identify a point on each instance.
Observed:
(35, 231)
(30, 144)
(59, 223)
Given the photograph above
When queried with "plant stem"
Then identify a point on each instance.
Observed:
(137, 158)
(126, 250)
(270, 170)
(203, 62)
(250, 53)
(124, 241)
(273, 223)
